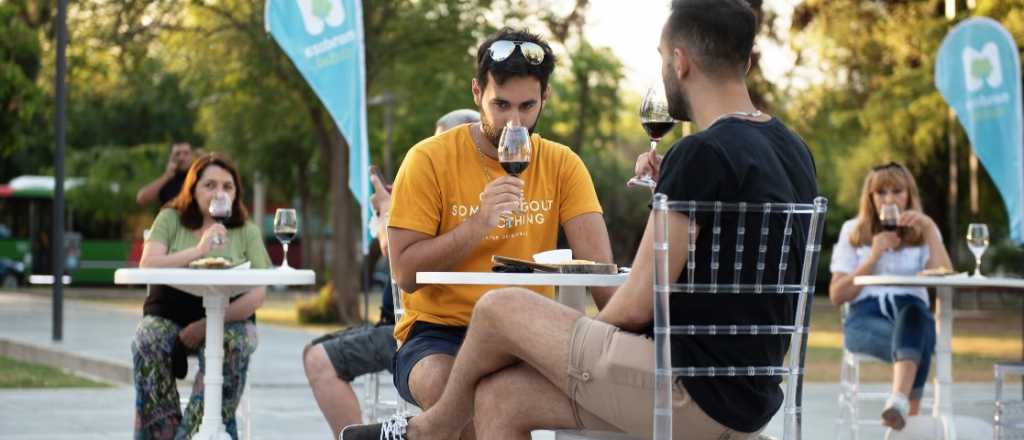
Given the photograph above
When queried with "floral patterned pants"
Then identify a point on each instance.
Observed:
(157, 412)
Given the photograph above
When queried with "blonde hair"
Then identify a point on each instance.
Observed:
(890, 175)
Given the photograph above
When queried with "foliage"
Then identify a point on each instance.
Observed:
(874, 100)
(24, 111)
(319, 309)
(104, 206)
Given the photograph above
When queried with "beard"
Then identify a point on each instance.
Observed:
(678, 104)
(493, 133)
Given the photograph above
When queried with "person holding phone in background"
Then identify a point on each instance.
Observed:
(334, 360)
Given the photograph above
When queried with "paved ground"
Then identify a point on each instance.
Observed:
(97, 340)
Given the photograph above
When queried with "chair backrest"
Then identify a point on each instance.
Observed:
(731, 235)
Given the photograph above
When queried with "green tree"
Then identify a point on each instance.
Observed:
(873, 99)
(24, 110)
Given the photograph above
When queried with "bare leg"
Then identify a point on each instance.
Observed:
(499, 337)
(513, 401)
(427, 381)
(903, 376)
(337, 401)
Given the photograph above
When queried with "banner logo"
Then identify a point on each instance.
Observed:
(318, 14)
(982, 67)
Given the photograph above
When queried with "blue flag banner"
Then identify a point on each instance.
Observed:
(978, 73)
(324, 38)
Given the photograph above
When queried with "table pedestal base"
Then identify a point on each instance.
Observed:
(212, 427)
(574, 297)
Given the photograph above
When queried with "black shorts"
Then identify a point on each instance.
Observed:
(360, 350)
(424, 340)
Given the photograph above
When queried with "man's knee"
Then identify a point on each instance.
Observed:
(428, 379)
(498, 301)
(316, 363)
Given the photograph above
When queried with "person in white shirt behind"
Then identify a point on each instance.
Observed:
(890, 236)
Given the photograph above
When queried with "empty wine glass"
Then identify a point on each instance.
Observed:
(220, 210)
(286, 227)
(657, 122)
(514, 149)
(977, 242)
(889, 216)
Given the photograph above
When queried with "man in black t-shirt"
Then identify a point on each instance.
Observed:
(529, 363)
(168, 185)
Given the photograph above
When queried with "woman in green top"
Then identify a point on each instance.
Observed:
(174, 323)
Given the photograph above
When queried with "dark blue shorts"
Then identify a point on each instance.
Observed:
(424, 340)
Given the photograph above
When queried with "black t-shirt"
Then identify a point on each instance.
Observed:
(737, 160)
(178, 306)
(171, 189)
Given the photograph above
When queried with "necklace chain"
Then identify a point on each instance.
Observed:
(480, 159)
(753, 115)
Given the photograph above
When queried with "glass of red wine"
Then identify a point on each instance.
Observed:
(656, 122)
(514, 149)
(286, 227)
(889, 216)
(220, 210)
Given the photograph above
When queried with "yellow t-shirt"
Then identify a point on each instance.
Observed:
(438, 187)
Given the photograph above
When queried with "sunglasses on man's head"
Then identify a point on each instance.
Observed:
(502, 49)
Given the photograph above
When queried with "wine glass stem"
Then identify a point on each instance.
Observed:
(284, 259)
(977, 266)
(654, 151)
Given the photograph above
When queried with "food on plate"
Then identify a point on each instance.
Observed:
(210, 263)
(938, 271)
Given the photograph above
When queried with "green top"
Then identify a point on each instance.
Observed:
(243, 243)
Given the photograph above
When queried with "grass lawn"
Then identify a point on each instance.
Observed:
(17, 374)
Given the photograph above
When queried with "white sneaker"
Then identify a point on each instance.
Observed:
(895, 413)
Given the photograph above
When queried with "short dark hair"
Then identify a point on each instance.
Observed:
(515, 65)
(186, 205)
(719, 34)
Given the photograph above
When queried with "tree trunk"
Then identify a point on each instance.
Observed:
(344, 265)
(583, 101)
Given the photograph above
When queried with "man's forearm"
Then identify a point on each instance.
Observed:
(152, 190)
(438, 253)
(588, 238)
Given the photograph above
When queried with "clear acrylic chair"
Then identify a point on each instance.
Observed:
(767, 217)
(849, 425)
(1009, 414)
(375, 407)
(801, 228)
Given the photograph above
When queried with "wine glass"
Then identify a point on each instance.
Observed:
(514, 149)
(656, 122)
(286, 226)
(889, 216)
(220, 210)
(977, 242)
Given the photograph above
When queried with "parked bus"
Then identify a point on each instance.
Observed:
(26, 214)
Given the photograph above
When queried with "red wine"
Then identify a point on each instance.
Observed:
(285, 237)
(515, 168)
(890, 228)
(658, 129)
(221, 218)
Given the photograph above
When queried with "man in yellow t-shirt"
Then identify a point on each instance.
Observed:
(453, 207)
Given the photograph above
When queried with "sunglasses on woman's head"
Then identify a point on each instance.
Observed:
(884, 166)
(502, 49)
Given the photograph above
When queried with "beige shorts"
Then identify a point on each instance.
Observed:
(611, 386)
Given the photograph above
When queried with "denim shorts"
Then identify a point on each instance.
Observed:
(893, 328)
(424, 340)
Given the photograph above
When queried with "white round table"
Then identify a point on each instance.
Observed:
(944, 287)
(215, 287)
(572, 287)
